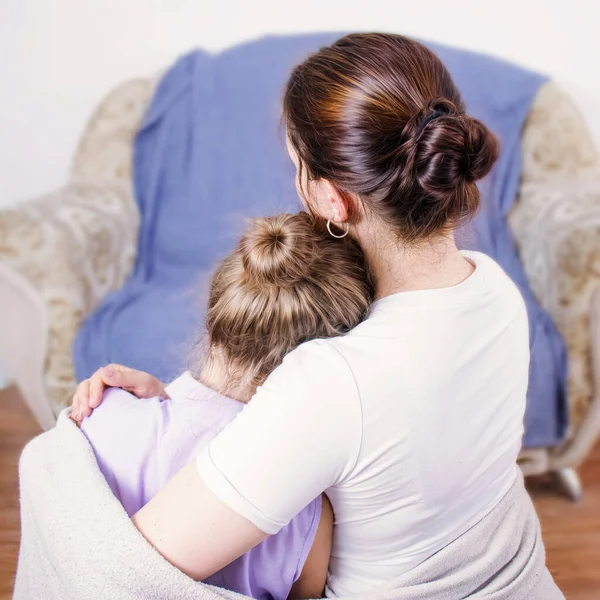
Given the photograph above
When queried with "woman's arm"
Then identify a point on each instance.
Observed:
(193, 529)
(298, 436)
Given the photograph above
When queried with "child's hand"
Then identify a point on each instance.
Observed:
(89, 392)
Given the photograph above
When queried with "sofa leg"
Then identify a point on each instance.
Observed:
(568, 480)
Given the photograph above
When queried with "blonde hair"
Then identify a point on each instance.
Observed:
(286, 282)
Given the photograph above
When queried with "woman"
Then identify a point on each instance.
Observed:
(286, 282)
(412, 422)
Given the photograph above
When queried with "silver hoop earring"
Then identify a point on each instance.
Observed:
(337, 235)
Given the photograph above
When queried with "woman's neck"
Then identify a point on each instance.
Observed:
(395, 267)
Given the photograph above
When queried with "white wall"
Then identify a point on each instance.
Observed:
(59, 57)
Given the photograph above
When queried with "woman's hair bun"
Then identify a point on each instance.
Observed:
(448, 152)
(481, 149)
(451, 148)
(278, 249)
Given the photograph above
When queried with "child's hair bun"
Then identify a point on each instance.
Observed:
(278, 249)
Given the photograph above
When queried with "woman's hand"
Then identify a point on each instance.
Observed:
(89, 392)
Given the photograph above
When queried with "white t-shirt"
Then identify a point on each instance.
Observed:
(411, 423)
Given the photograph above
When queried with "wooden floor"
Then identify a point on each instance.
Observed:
(571, 531)
(17, 425)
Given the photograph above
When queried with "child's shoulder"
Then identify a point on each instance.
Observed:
(121, 416)
(204, 409)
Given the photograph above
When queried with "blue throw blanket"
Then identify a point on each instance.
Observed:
(211, 152)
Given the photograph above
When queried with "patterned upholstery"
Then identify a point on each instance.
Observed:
(556, 225)
(78, 244)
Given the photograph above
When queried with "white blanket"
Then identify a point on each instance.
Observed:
(78, 543)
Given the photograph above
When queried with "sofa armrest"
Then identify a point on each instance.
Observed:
(104, 152)
(557, 231)
(65, 251)
(574, 451)
(556, 143)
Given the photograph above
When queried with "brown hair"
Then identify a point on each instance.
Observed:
(286, 282)
(378, 115)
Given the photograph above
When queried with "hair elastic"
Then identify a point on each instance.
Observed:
(434, 115)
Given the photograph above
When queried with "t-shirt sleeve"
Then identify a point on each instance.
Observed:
(123, 433)
(298, 436)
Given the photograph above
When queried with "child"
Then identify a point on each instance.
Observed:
(287, 282)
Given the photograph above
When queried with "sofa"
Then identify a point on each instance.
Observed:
(61, 254)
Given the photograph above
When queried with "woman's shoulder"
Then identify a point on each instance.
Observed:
(492, 272)
(321, 360)
(315, 382)
(498, 285)
(323, 348)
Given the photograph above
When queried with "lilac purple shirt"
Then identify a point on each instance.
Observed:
(141, 444)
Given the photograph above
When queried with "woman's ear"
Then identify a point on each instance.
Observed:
(338, 203)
